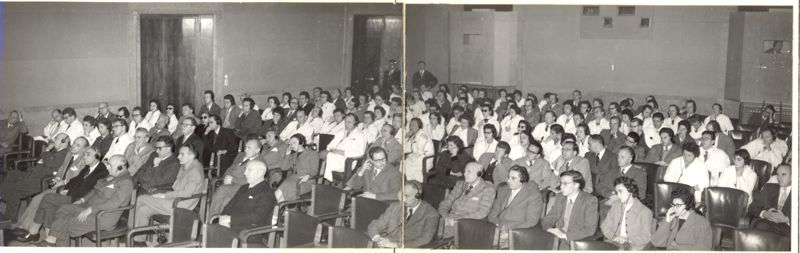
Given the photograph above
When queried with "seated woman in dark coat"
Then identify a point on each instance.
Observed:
(450, 163)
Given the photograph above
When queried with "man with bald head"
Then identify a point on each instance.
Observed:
(471, 198)
(160, 129)
(253, 203)
(70, 168)
(772, 205)
(139, 151)
(19, 184)
(103, 112)
(235, 176)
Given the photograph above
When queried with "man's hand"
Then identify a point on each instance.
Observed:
(222, 152)
(225, 221)
(458, 174)
(557, 232)
(368, 195)
(305, 178)
(385, 243)
(662, 163)
(620, 239)
(159, 195)
(84, 214)
(63, 192)
(228, 179)
(80, 201)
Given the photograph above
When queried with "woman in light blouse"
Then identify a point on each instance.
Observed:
(629, 222)
(739, 175)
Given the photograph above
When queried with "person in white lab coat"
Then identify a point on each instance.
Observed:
(349, 143)
(417, 146)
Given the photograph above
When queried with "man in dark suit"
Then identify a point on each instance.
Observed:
(613, 137)
(253, 203)
(496, 164)
(187, 137)
(421, 223)
(273, 152)
(624, 158)
(337, 99)
(249, 121)
(377, 178)
(773, 204)
(10, 132)
(234, 177)
(19, 184)
(304, 103)
(104, 113)
(663, 153)
(603, 164)
(576, 101)
(160, 170)
(574, 213)
(76, 188)
(210, 106)
(423, 76)
(220, 141)
(391, 76)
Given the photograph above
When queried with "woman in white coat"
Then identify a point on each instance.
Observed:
(418, 145)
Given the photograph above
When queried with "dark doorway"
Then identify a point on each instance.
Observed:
(376, 40)
(176, 58)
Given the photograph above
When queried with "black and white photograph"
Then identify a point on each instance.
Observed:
(395, 126)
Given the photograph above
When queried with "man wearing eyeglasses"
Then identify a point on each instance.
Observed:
(161, 168)
(139, 151)
(539, 169)
(104, 113)
(574, 213)
(121, 138)
(378, 179)
(188, 126)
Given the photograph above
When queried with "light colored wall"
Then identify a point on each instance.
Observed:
(78, 54)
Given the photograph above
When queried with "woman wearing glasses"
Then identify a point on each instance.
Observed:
(683, 229)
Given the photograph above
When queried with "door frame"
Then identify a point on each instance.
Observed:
(211, 9)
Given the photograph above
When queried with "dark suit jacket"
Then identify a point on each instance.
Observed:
(103, 144)
(393, 149)
(225, 140)
(428, 78)
(603, 172)
(500, 173)
(390, 79)
(249, 123)
(385, 185)
(273, 155)
(637, 174)
(768, 198)
(111, 116)
(85, 181)
(195, 140)
(583, 219)
(9, 135)
(654, 155)
(524, 211)
(110, 193)
(307, 108)
(446, 163)
(279, 126)
(612, 143)
(695, 234)
(419, 229)
(152, 177)
(215, 109)
(251, 207)
(340, 104)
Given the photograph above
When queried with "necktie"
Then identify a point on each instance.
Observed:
(227, 123)
(547, 128)
(705, 156)
(567, 214)
(68, 126)
(116, 140)
(490, 168)
(409, 213)
(782, 198)
(469, 189)
(64, 175)
(213, 137)
(244, 162)
(510, 199)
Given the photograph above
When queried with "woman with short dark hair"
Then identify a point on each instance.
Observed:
(683, 228)
(628, 223)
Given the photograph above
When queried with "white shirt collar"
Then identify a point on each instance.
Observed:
(626, 168)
